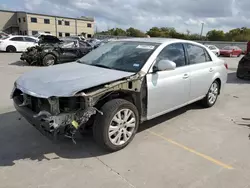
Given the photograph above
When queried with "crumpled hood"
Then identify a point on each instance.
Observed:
(66, 79)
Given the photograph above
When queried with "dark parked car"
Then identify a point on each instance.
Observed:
(48, 39)
(50, 54)
(243, 70)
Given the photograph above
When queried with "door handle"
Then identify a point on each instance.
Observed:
(185, 76)
(211, 70)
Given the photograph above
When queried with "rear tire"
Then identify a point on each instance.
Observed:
(49, 60)
(106, 124)
(11, 49)
(212, 95)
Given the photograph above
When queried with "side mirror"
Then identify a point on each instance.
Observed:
(163, 65)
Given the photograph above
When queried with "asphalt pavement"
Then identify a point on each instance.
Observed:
(189, 148)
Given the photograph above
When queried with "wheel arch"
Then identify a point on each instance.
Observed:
(217, 78)
(10, 45)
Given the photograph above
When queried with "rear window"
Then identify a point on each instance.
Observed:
(17, 39)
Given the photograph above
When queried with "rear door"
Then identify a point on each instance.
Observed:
(84, 47)
(18, 43)
(201, 70)
(69, 51)
(29, 42)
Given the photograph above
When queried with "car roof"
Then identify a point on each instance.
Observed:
(157, 40)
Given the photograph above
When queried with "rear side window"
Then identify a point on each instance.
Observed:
(174, 52)
(197, 54)
(17, 39)
(29, 39)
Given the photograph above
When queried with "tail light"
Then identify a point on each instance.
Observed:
(226, 65)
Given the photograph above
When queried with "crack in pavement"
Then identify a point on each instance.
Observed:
(115, 172)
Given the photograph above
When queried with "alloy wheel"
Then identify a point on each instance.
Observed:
(122, 127)
(213, 93)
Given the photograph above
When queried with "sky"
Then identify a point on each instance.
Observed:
(183, 15)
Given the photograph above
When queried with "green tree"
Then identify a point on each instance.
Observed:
(132, 32)
(216, 35)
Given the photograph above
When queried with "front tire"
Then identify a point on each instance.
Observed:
(116, 128)
(210, 99)
(49, 60)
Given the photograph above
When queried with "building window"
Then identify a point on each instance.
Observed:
(59, 22)
(89, 25)
(46, 21)
(19, 20)
(89, 35)
(24, 19)
(47, 32)
(67, 34)
(66, 23)
(25, 32)
(60, 34)
(34, 32)
(33, 20)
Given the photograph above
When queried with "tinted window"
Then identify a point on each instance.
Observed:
(196, 54)
(17, 39)
(83, 44)
(67, 34)
(60, 34)
(59, 22)
(29, 39)
(33, 20)
(174, 52)
(46, 21)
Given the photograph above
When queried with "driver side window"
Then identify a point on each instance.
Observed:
(173, 52)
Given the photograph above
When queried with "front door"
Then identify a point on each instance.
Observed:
(201, 71)
(169, 90)
(19, 43)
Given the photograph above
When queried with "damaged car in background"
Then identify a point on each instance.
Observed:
(61, 52)
(117, 86)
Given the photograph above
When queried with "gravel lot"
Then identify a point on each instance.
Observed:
(190, 148)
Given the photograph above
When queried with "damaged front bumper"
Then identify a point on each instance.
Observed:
(55, 127)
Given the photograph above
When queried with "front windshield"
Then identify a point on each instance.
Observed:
(126, 56)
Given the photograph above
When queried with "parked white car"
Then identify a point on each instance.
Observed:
(117, 86)
(214, 49)
(17, 43)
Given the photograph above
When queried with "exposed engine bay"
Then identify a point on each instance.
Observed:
(55, 116)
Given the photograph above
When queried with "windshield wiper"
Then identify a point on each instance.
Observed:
(79, 61)
(103, 66)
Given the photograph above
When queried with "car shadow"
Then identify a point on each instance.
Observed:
(244, 122)
(232, 79)
(19, 63)
(20, 141)
(166, 117)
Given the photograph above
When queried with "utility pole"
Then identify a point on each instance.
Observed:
(202, 25)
